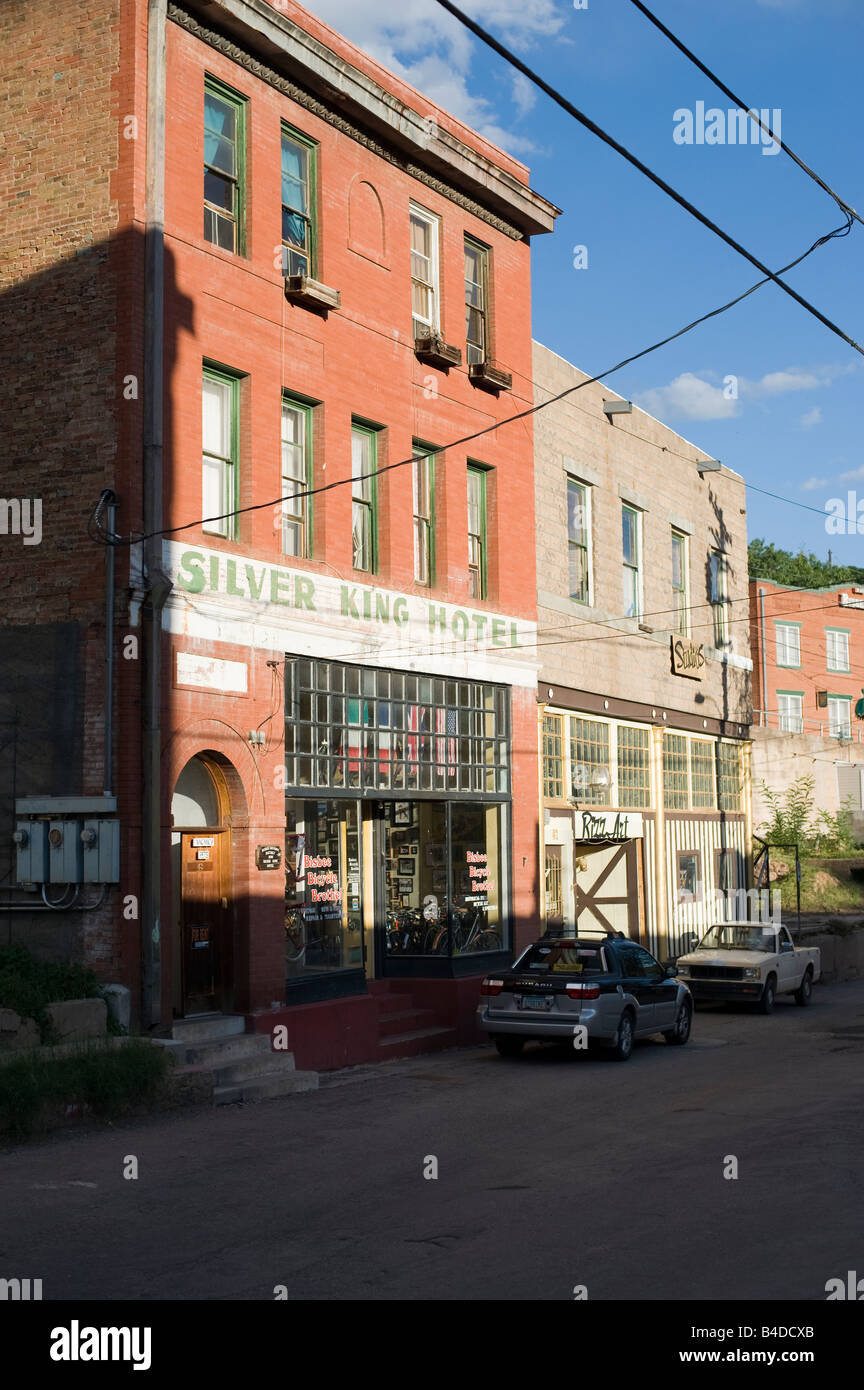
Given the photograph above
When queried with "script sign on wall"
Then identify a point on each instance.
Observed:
(688, 658)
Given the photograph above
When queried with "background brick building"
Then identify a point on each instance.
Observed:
(644, 680)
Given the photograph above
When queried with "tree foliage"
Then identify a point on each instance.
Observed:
(801, 571)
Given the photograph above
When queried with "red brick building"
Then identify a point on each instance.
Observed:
(263, 284)
(808, 674)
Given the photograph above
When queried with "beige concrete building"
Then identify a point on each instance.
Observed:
(644, 695)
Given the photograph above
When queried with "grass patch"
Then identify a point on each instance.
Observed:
(819, 893)
(28, 985)
(107, 1079)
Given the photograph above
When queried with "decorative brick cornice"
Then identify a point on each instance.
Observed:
(246, 60)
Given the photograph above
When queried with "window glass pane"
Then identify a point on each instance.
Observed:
(590, 778)
(220, 131)
(295, 174)
(216, 405)
(676, 788)
(323, 888)
(213, 498)
(702, 773)
(553, 756)
(634, 769)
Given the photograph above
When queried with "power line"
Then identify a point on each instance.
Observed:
(637, 163)
(751, 111)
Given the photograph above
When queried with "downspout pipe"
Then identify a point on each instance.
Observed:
(156, 583)
(763, 658)
(111, 504)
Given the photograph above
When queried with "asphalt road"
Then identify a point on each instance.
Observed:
(554, 1170)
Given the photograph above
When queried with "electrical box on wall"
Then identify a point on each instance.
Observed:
(65, 851)
(100, 840)
(31, 845)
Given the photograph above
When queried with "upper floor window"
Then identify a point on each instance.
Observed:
(837, 640)
(680, 602)
(579, 540)
(364, 499)
(476, 301)
(839, 716)
(298, 202)
(425, 310)
(790, 708)
(477, 586)
(631, 556)
(788, 637)
(718, 595)
(296, 477)
(423, 482)
(224, 159)
(219, 399)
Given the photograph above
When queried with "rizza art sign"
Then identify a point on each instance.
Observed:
(270, 589)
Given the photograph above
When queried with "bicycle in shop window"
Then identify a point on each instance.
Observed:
(303, 947)
(469, 932)
(405, 932)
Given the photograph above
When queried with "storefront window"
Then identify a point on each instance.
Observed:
(589, 762)
(323, 888)
(443, 891)
(634, 770)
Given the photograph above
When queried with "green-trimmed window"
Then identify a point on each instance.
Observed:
(220, 435)
(476, 301)
(299, 177)
(631, 562)
(553, 756)
(224, 166)
(790, 709)
(296, 478)
(679, 582)
(364, 499)
(423, 483)
(676, 782)
(840, 716)
(477, 546)
(579, 541)
(425, 311)
(837, 644)
(788, 638)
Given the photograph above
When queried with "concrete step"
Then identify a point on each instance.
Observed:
(404, 1021)
(206, 1027)
(391, 1002)
(215, 1051)
(245, 1069)
(266, 1086)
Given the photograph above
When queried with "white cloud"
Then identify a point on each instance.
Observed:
(854, 475)
(688, 397)
(428, 48)
(812, 417)
(813, 483)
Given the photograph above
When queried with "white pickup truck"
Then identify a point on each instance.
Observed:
(750, 961)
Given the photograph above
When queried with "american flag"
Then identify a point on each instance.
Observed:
(445, 723)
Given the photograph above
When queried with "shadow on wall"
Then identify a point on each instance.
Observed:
(71, 399)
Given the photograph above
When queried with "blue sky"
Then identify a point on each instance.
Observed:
(793, 428)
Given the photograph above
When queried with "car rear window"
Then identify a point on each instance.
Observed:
(560, 957)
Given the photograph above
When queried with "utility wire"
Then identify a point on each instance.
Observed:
(751, 111)
(637, 163)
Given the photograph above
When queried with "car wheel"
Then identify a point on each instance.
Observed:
(804, 993)
(766, 1003)
(622, 1047)
(508, 1046)
(679, 1035)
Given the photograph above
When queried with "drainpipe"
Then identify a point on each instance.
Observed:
(111, 503)
(763, 662)
(157, 585)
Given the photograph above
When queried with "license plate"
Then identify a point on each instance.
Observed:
(535, 1001)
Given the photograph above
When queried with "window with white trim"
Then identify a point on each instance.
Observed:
(631, 561)
(790, 708)
(788, 637)
(839, 716)
(837, 643)
(425, 312)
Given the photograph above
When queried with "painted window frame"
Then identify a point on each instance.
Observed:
(305, 409)
(214, 87)
(719, 597)
(628, 567)
(681, 593)
(554, 770)
(781, 716)
(370, 502)
(432, 325)
(424, 525)
(681, 895)
(480, 473)
(312, 149)
(781, 623)
(485, 255)
(227, 529)
(572, 544)
(838, 632)
(846, 702)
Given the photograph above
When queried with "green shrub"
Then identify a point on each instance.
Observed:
(108, 1079)
(28, 985)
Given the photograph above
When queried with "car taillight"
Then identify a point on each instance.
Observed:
(583, 991)
(491, 986)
